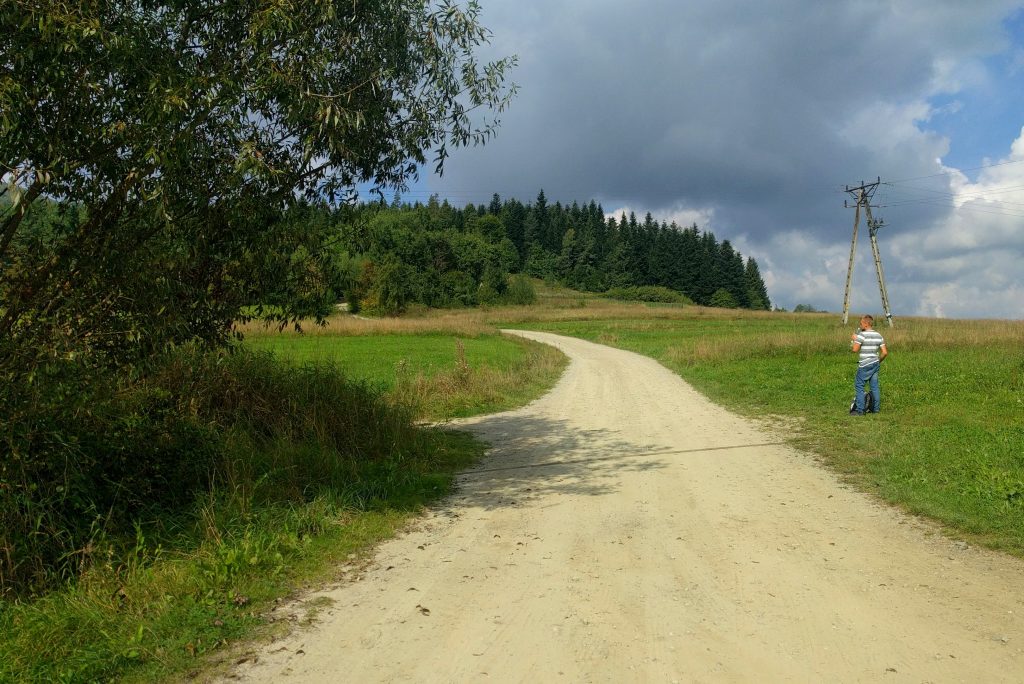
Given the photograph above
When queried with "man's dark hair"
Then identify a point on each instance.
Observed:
(869, 318)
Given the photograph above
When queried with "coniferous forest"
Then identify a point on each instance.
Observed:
(388, 256)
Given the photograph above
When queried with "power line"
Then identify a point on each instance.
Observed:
(960, 201)
(976, 194)
(950, 173)
(949, 204)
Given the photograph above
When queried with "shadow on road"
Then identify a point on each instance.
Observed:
(534, 457)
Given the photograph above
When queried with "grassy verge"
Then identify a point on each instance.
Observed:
(947, 443)
(162, 606)
(441, 375)
(312, 465)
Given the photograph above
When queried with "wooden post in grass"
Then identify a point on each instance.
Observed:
(862, 194)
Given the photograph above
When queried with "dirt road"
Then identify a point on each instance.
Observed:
(625, 529)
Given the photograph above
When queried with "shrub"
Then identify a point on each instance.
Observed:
(648, 293)
(458, 289)
(520, 291)
(487, 295)
(89, 453)
(86, 454)
(392, 287)
(723, 299)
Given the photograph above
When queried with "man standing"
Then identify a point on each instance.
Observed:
(868, 343)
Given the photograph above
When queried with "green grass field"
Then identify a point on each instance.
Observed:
(381, 359)
(442, 375)
(947, 445)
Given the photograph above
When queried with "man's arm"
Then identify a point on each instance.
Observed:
(883, 351)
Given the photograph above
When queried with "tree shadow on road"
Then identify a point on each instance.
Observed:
(535, 457)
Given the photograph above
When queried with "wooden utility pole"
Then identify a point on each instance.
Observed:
(862, 198)
(873, 227)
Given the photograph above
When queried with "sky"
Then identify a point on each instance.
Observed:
(750, 118)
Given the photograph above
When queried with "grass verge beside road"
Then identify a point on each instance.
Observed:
(168, 607)
(439, 375)
(314, 459)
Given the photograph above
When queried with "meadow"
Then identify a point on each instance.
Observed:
(947, 445)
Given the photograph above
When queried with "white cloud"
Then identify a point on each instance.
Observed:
(959, 300)
(684, 217)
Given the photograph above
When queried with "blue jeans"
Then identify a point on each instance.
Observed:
(867, 374)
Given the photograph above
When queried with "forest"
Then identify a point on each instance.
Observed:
(384, 257)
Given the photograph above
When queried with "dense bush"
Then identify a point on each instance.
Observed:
(520, 291)
(90, 454)
(723, 299)
(648, 293)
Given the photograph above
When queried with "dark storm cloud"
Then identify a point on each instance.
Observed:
(756, 112)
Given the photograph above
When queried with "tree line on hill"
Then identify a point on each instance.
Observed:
(387, 256)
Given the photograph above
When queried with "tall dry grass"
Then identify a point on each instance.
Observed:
(486, 320)
(465, 323)
(810, 337)
(767, 332)
(937, 333)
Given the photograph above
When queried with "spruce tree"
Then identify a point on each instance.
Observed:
(757, 293)
(541, 217)
(567, 258)
(597, 227)
(730, 268)
(557, 225)
(513, 215)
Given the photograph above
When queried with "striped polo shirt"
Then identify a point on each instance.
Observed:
(870, 341)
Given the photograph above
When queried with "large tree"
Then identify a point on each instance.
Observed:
(178, 131)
